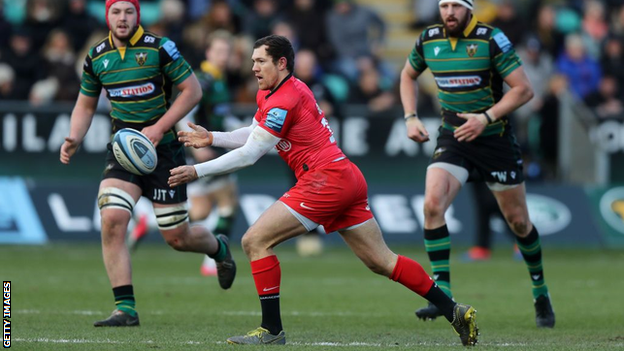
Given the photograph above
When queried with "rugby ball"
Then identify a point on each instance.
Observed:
(134, 151)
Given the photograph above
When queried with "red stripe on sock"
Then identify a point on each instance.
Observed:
(267, 275)
(411, 274)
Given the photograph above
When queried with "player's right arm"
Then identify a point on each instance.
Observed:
(81, 118)
(199, 137)
(414, 65)
(83, 112)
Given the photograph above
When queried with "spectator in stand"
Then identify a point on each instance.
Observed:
(25, 62)
(285, 29)
(7, 79)
(42, 16)
(549, 126)
(5, 29)
(606, 102)
(371, 91)
(309, 72)
(612, 61)
(78, 23)
(59, 60)
(617, 26)
(546, 30)
(595, 27)
(425, 12)
(356, 32)
(260, 20)
(510, 23)
(538, 66)
(312, 33)
(582, 72)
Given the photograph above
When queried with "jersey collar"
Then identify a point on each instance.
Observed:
(279, 85)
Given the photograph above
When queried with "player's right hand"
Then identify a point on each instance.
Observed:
(198, 138)
(416, 130)
(68, 149)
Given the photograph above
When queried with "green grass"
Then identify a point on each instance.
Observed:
(328, 303)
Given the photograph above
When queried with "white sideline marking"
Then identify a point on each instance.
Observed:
(319, 344)
(226, 313)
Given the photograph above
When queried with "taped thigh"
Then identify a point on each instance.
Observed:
(115, 198)
(171, 217)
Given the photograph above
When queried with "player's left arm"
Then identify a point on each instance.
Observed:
(258, 144)
(519, 94)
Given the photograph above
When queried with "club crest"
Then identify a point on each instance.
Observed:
(140, 58)
(471, 49)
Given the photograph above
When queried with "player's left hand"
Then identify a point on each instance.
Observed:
(153, 133)
(474, 126)
(181, 175)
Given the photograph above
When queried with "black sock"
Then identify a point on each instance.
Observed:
(271, 317)
(438, 247)
(436, 296)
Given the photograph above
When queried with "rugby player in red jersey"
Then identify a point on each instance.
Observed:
(330, 191)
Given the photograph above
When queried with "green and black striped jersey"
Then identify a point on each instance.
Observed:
(468, 71)
(138, 78)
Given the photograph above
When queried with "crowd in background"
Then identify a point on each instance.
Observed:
(339, 44)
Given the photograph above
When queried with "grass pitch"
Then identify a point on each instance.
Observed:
(330, 302)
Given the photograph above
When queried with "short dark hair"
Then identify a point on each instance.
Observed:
(277, 47)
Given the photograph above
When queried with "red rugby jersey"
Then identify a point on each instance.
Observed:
(291, 113)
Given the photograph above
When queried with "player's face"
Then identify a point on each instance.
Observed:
(265, 70)
(454, 17)
(122, 17)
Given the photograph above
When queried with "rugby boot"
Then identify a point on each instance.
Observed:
(465, 324)
(118, 319)
(226, 269)
(544, 313)
(259, 336)
(431, 312)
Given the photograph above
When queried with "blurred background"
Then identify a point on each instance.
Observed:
(350, 53)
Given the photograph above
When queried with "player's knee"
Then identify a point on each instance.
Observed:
(433, 207)
(519, 225)
(198, 214)
(176, 241)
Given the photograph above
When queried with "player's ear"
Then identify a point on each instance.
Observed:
(282, 63)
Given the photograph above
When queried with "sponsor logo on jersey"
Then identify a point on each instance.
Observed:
(434, 31)
(172, 50)
(471, 49)
(149, 39)
(283, 145)
(458, 82)
(137, 90)
(100, 47)
(105, 62)
(276, 118)
(482, 31)
(140, 58)
(436, 50)
(503, 42)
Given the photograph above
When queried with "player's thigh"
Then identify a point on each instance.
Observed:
(172, 220)
(225, 196)
(201, 205)
(367, 242)
(277, 224)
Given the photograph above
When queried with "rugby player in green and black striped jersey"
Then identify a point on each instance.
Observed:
(138, 69)
(470, 61)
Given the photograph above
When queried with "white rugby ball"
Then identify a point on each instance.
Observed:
(134, 151)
